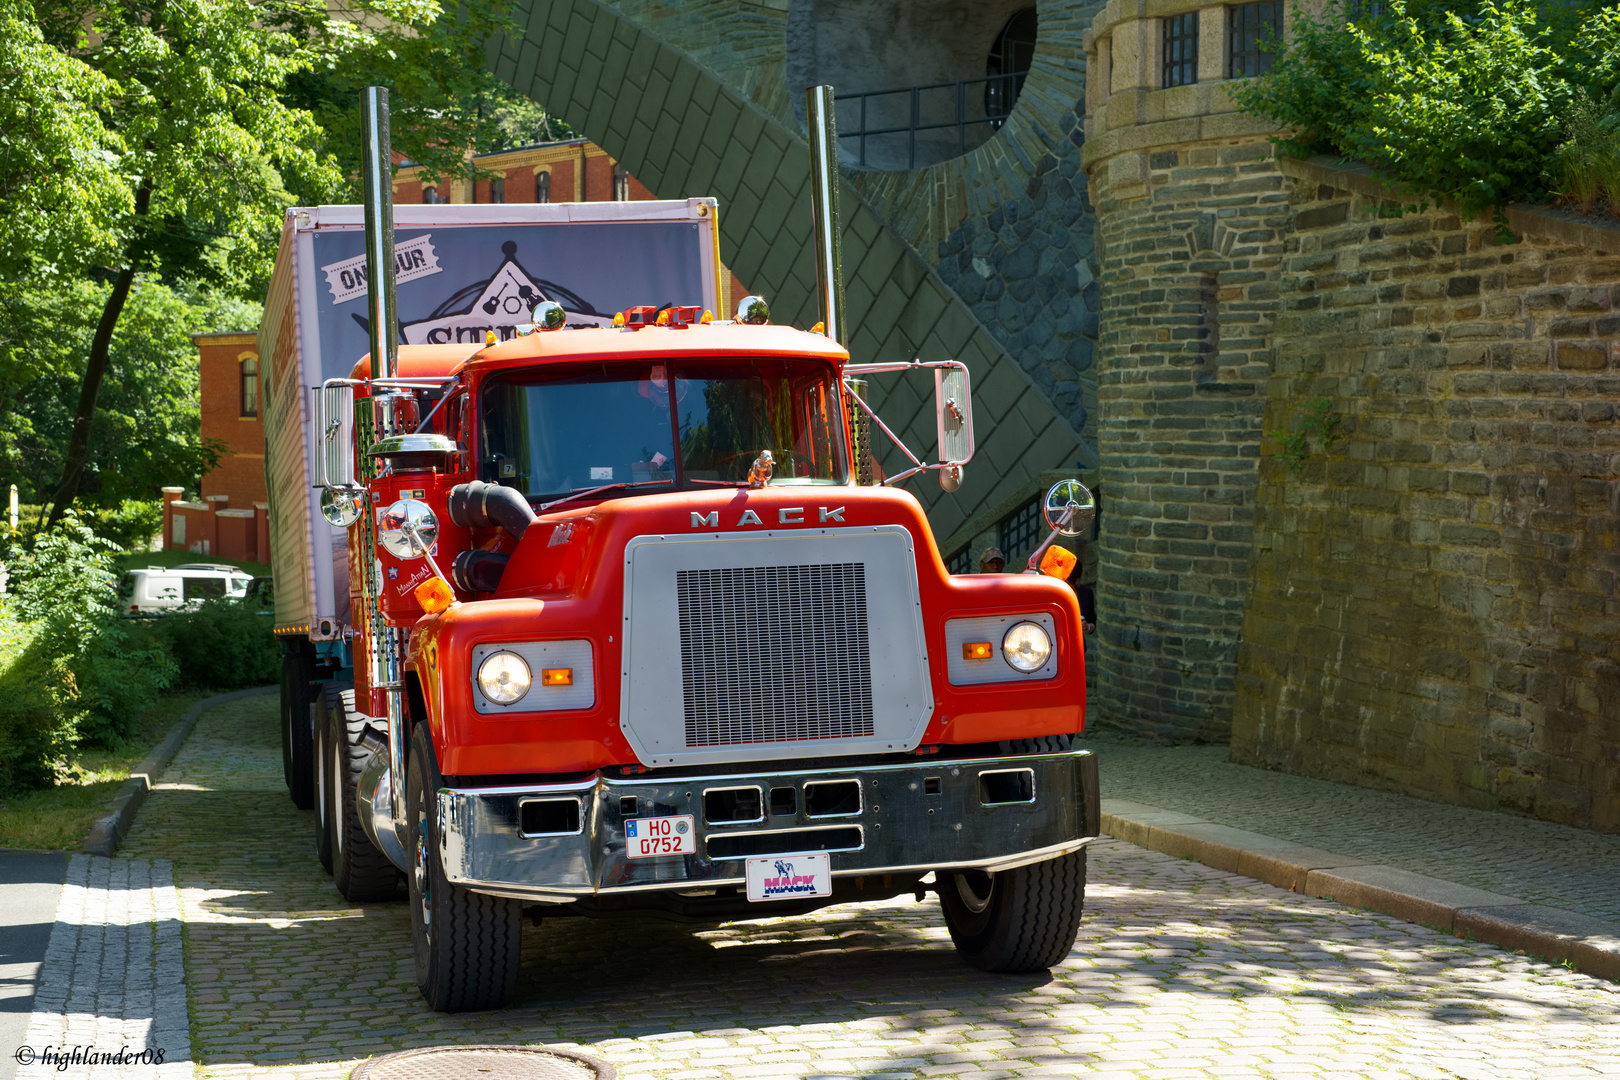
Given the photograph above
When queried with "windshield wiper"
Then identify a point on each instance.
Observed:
(580, 493)
(717, 483)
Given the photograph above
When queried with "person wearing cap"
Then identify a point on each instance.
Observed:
(992, 561)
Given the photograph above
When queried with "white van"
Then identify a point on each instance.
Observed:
(159, 589)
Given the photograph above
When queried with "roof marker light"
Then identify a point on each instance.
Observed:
(618, 318)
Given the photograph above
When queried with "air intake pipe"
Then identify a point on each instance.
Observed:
(479, 505)
(478, 571)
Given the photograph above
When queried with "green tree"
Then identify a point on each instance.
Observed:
(214, 116)
(1454, 99)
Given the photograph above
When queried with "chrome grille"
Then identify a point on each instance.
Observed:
(775, 653)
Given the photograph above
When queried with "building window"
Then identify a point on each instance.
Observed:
(1256, 33)
(1010, 56)
(1181, 49)
(1367, 9)
(1020, 531)
(961, 562)
(431, 196)
(497, 190)
(250, 385)
(542, 187)
(621, 184)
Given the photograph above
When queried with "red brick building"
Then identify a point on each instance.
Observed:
(229, 519)
(560, 172)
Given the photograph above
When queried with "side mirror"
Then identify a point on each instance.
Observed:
(341, 508)
(1066, 496)
(953, 413)
(335, 417)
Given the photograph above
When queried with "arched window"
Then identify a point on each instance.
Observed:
(497, 190)
(1010, 57)
(250, 385)
(621, 184)
(430, 196)
(542, 186)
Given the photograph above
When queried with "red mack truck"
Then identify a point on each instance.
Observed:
(585, 614)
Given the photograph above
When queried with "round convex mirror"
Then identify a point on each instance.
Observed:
(341, 508)
(1066, 494)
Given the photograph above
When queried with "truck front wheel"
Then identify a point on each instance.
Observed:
(466, 943)
(1024, 919)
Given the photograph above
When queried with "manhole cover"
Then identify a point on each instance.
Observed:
(484, 1063)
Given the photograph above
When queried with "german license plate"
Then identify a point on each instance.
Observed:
(789, 877)
(649, 837)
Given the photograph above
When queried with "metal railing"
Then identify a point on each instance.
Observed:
(1000, 93)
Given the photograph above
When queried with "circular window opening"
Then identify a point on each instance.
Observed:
(918, 82)
(1008, 66)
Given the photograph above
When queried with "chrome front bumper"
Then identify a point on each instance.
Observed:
(989, 813)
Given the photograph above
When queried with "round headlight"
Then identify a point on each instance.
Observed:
(504, 677)
(407, 529)
(1027, 646)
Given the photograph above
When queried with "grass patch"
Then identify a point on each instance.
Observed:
(140, 560)
(60, 817)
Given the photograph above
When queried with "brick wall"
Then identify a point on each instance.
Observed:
(240, 472)
(1433, 605)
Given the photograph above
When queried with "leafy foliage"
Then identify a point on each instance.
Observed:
(146, 429)
(1586, 168)
(1294, 444)
(223, 643)
(60, 182)
(1455, 100)
(77, 670)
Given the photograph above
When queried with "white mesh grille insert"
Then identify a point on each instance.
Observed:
(775, 653)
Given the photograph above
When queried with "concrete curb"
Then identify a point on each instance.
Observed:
(1589, 945)
(113, 825)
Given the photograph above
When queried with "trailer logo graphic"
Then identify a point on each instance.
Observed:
(501, 303)
(414, 258)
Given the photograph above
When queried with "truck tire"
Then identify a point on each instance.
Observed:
(361, 872)
(1019, 920)
(297, 733)
(466, 943)
(325, 790)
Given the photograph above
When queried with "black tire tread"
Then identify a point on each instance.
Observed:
(362, 873)
(298, 738)
(472, 964)
(1035, 915)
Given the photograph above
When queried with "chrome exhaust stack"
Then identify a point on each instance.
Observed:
(383, 415)
(821, 114)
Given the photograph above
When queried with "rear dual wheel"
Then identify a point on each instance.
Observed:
(297, 730)
(360, 871)
(466, 943)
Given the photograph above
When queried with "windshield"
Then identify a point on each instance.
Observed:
(616, 424)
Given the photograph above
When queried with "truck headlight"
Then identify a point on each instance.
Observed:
(504, 677)
(1027, 646)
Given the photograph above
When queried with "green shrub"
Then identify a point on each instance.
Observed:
(34, 731)
(131, 525)
(1462, 101)
(224, 644)
(106, 672)
(1586, 168)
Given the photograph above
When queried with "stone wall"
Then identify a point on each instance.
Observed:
(1432, 606)
(1191, 215)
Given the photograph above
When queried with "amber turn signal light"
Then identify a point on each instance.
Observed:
(1058, 562)
(557, 676)
(976, 650)
(434, 595)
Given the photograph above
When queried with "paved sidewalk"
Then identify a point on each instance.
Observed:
(1527, 884)
(113, 979)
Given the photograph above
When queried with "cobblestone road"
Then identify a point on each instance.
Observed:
(1180, 970)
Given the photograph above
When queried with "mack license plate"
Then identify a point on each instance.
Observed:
(789, 877)
(649, 837)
